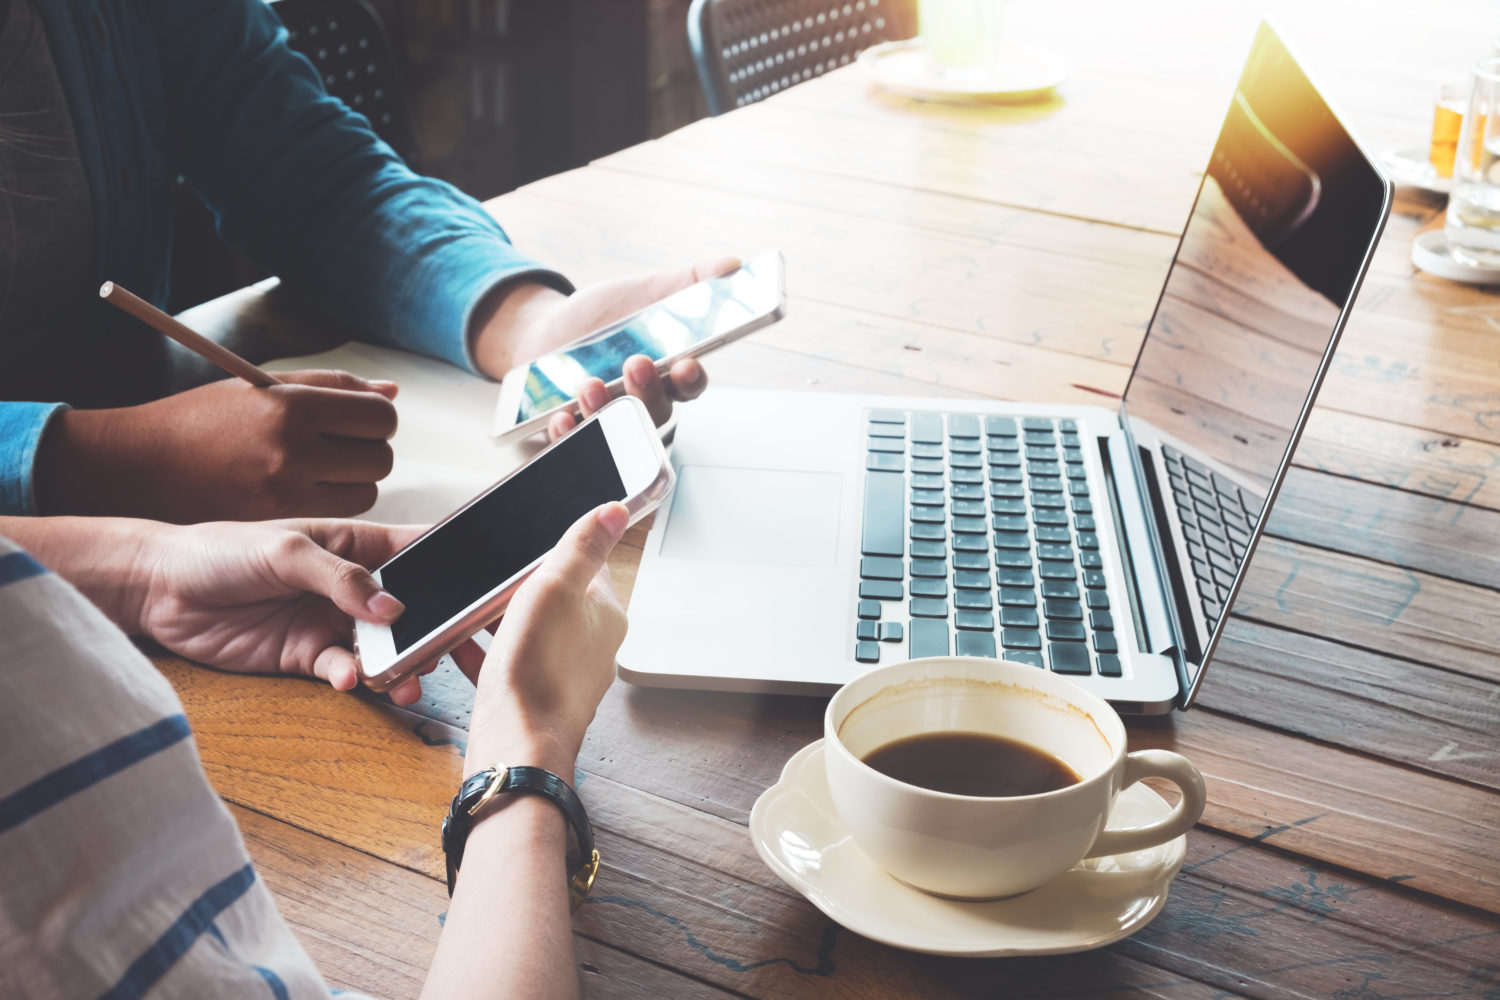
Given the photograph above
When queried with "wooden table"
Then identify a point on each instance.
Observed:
(1350, 727)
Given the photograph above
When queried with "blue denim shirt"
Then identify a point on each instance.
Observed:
(297, 181)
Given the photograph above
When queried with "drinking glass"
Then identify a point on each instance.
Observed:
(961, 37)
(1473, 223)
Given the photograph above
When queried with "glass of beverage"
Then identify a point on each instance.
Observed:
(1447, 119)
(961, 37)
(1473, 223)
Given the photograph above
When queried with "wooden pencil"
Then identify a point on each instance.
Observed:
(191, 339)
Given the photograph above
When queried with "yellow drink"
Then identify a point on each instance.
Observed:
(1447, 117)
(961, 34)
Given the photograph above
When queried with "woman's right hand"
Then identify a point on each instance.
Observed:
(553, 656)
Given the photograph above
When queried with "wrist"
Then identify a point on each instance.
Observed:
(109, 559)
(493, 743)
(508, 321)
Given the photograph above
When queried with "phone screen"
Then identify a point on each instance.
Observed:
(500, 534)
(678, 323)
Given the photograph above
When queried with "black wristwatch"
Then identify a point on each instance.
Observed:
(477, 791)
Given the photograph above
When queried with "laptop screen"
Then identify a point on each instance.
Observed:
(1270, 259)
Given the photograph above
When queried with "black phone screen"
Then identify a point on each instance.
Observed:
(500, 534)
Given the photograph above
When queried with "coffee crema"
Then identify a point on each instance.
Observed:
(978, 764)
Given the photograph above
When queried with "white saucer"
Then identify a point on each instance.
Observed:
(1430, 253)
(798, 834)
(1411, 168)
(1021, 74)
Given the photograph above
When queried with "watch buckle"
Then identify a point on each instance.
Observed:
(582, 882)
(496, 786)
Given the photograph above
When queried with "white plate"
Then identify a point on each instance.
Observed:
(798, 834)
(1411, 168)
(1430, 253)
(1021, 74)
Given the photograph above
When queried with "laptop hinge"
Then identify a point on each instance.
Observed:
(1138, 552)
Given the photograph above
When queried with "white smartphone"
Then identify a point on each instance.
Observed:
(458, 576)
(689, 323)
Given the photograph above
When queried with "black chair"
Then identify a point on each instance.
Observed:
(346, 43)
(747, 50)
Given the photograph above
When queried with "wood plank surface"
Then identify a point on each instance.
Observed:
(1348, 730)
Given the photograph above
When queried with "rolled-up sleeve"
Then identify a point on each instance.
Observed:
(21, 428)
(303, 187)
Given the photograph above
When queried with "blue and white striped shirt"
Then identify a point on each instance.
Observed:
(122, 874)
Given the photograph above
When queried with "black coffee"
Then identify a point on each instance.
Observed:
(979, 764)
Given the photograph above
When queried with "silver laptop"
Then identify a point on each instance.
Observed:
(813, 536)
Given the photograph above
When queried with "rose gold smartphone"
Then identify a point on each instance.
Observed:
(458, 576)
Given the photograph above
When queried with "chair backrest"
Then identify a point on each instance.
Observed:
(747, 50)
(346, 43)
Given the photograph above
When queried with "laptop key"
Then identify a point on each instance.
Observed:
(966, 475)
(884, 507)
(1066, 631)
(1004, 459)
(867, 652)
(1000, 426)
(960, 446)
(1037, 424)
(1011, 522)
(966, 461)
(1072, 454)
(1051, 570)
(880, 590)
(1006, 506)
(929, 515)
(929, 567)
(1082, 505)
(1040, 453)
(1084, 522)
(927, 607)
(1065, 590)
(1044, 516)
(1043, 469)
(867, 631)
(969, 526)
(927, 428)
(928, 587)
(1062, 610)
(1046, 484)
(1003, 475)
(1076, 473)
(1024, 656)
(1105, 642)
(890, 632)
(1090, 560)
(974, 644)
(1020, 638)
(963, 425)
(927, 466)
(1015, 578)
(927, 532)
(892, 446)
(972, 600)
(1053, 533)
(1017, 597)
(1109, 666)
(878, 462)
(966, 491)
(1052, 550)
(868, 610)
(1088, 540)
(977, 621)
(1048, 501)
(929, 637)
(1093, 579)
(927, 549)
(926, 482)
(1101, 621)
(926, 451)
(965, 579)
(1013, 559)
(1069, 657)
(1098, 600)
(970, 543)
(881, 568)
(887, 417)
(927, 498)
(1019, 540)
(1019, 618)
(1008, 491)
(1078, 487)
(971, 560)
(897, 431)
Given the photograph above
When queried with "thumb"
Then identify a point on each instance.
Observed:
(582, 551)
(328, 379)
(310, 567)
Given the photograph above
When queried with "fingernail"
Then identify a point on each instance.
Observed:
(695, 377)
(614, 518)
(595, 396)
(383, 605)
(384, 386)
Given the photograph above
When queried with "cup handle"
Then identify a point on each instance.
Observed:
(1156, 764)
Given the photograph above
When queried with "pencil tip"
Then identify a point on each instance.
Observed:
(105, 289)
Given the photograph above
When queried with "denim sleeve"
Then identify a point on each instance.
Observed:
(21, 428)
(303, 187)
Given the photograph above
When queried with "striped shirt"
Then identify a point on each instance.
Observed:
(122, 874)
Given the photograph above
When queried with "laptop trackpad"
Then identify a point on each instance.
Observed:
(772, 516)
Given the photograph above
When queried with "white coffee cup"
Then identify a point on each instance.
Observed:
(971, 847)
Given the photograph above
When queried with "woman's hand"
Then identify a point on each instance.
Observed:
(553, 656)
(269, 597)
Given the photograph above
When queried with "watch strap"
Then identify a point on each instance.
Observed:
(481, 787)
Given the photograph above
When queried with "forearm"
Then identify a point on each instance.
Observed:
(104, 557)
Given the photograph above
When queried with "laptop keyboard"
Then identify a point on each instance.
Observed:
(1217, 519)
(979, 539)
